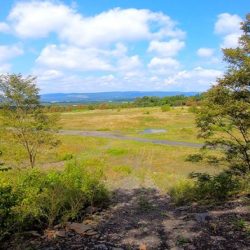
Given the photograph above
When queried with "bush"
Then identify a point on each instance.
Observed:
(194, 158)
(8, 200)
(217, 187)
(183, 192)
(33, 197)
(193, 109)
(206, 188)
(165, 108)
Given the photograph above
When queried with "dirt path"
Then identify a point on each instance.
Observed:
(144, 219)
(119, 136)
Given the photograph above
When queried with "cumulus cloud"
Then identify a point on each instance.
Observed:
(197, 79)
(8, 52)
(129, 63)
(166, 49)
(5, 68)
(38, 19)
(228, 26)
(100, 52)
(68, 57)
(163, 66)
(205, 52)
(4, 27)
(49, 75)
(73, 58)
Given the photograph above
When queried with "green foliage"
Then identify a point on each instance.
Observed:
(8, 200)
(123, 169)
(165, 108)
(117, 151)
(24, 120)
(217, 187)
(193, 109)
(224, 121)
(67, 157)
(181, 240)
(224, 117)
(183, 192)
(205, 188)
(240, 224)
(32, 198)
(194, 158)
(178, 100)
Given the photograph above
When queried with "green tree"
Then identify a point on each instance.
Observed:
(224, 119)
(23, 118)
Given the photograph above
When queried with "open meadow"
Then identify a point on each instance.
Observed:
(127, 163)
(124, 125)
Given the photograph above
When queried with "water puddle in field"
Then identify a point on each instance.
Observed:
(153, 131)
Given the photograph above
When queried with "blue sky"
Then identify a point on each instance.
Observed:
(102, 45)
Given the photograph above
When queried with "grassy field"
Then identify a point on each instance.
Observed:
(179, 122)
(127, 164)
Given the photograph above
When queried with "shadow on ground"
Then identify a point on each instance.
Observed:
(145, 219)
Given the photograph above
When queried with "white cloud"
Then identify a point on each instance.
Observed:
(4, 27)
(49, 75)
(205, 52)
(38, 19)
(127, 63)
(5, 68)
(231, 40)
(228, 26)
(197, 79)
(94, 53)
(166, 49)
(73, 58)
(163, 66)
(227, 23)
(8, 52)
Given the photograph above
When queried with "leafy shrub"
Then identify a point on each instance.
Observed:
(205, 188)
(165, 108)
(193, 109)
(8, 200)
(183, 192)
(213, 160)
(194, 158)
(33, 197)
(217, 187)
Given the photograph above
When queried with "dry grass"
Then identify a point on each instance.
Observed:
(126, 164)
(129, 164)
(178, 122)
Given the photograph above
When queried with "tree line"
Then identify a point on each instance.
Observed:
(146, 101)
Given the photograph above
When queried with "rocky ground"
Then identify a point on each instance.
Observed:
(144, 219)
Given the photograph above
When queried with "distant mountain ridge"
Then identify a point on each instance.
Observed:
(107, 96)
